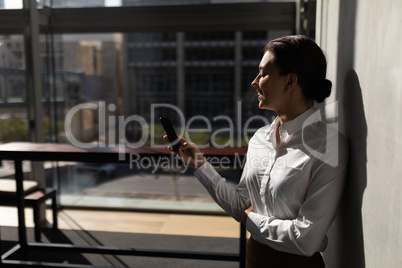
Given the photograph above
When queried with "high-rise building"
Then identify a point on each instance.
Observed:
(196, 71)
(208, 63)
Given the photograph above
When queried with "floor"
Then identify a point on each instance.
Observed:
(133, 222)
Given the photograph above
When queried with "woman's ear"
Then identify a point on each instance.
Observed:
(292, 81)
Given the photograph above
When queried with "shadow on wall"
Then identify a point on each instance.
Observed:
(346, 248)
(346, 243)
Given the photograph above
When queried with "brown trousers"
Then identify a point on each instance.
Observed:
(261, 256)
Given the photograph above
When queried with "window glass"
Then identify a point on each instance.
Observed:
(195, 75)
(11, 4)
(16, 88)
(13, 113)
(126, 74)
(86, 3)
(145, 75)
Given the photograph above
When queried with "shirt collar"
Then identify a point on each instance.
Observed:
(274, 124)
(296, 124)
(292, 126)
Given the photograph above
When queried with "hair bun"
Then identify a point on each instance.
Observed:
(323, 91)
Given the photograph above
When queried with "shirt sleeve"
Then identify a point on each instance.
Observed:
(232, 198)
(305, 234)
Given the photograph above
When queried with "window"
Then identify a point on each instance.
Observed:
(126, 67)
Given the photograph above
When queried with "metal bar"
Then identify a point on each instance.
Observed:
(238, 16)
(180, 71)
(204, 17)
(34, 87)
(298, 20)
(30, 264)
(33, 71)
(311, 18)
(19, 177)
(135, 252)
(243, 242)
(238, 78)
(10, 252)
(11, 21)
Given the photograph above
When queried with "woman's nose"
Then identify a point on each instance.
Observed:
(255, 82)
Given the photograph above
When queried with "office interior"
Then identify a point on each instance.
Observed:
(125, 58)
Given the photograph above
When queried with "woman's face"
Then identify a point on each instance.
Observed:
(269, 84)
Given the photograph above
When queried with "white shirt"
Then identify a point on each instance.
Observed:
(294, 188)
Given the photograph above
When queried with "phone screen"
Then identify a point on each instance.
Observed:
(171, 133)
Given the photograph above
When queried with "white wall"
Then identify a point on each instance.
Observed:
(363, 41)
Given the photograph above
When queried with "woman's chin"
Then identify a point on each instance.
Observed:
(265, 106)
(262, 105)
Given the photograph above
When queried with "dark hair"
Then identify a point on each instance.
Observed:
(301, 55)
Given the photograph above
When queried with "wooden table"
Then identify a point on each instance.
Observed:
(25, 151)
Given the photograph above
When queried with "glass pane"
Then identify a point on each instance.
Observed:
(90, 82)
(10, 4)
(86, 3)
(115, 76)
(13, 112)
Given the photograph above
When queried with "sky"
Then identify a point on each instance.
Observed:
(13, 4)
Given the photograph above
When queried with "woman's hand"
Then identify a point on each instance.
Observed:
(188, 152)
(244, 216)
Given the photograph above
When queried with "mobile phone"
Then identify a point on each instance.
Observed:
(171, 133)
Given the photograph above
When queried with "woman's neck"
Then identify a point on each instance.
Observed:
(292, 112)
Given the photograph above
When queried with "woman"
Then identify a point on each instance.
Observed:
(294, 174)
